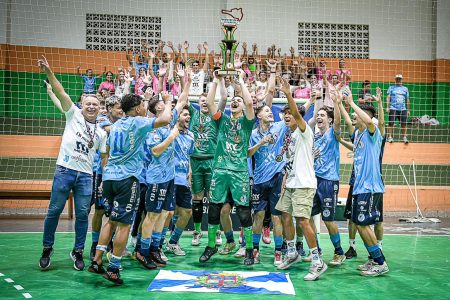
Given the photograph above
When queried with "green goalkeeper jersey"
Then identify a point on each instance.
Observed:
(204, 129)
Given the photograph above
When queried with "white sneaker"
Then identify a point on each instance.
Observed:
(405, 140)
(376, 270)
(240, 252)
(366, 266)
(256, 256)
(126, 252)
(337, 260)
(227, 249)
(289, 261)
(175, 249)
(219, 238)
(133, 241)
(196, 238)
(390, 139)
(163, 256)
(277, 259)
(315, 270)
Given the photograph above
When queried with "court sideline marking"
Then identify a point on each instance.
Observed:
(17, 286)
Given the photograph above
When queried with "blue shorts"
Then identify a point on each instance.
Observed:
(97, 197)
(267, 194)
(160, 196)
(183, 196)
(123, 199)
(366, 208)
(325, 199)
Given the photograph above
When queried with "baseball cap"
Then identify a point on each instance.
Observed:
(399, 76)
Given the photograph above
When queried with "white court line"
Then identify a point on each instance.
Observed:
(18, 287)
(1, 274)
(9, 280)
(27, 295)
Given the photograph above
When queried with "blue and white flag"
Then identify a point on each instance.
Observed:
(222, 282)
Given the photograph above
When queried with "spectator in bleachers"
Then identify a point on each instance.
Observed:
(365, 96)
(90, 80)
(108, 83)
(398, 107)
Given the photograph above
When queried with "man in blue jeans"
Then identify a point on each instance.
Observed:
(81, 139)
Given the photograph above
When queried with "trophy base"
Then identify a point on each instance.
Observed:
(228, 72)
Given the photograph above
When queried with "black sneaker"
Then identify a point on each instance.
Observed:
(77, 257)
(44, 261)
(113, 275)
(209, 251)
(155, 256)
(299, 248)
(146, 261)
(93, 249)
(351, 252)
(249, 259)
(96, 268)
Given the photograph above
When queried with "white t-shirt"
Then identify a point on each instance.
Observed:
(198, 80)
(300, 164)
(74, 153)
(230, 90)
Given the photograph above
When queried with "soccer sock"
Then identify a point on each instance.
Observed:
(278, 242)
(367, 247)
(156, 241)
(145, 246)
(336, 240)
(163, 236)
(115, 262)
(248, 237)
(101, 248)
(291, 251)
(176, 234)
(212, 230)
(198, 227)
(174, 221)
(256, 239)
(380, 244)
(317, 240)
(315, 255)
(300, 238)
(95, 236)
(230, 237)
(352, 244)
(376, 253)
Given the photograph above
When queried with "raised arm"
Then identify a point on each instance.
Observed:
(381, 122)
(271, 82)
(337, 99)
(183, 99)
(129, 54)
(246, 96)
(78, 71)
(53, 97)
(57, 88)
(223, 95)
(310, 101)
(161, 75)
(166, 116)
(185, 52)
(150, 63)
(347, 119)
(286, 88)
(206, 63)
(364, 117)
(210, 102)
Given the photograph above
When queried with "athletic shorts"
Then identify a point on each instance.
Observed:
(325, 199)
(97, 197)
(236, 182)
(160, 196)
(267, 194)
(297, 202)
(201, 174)
(183, 196)
(348, 204)
(141, 207)
(401, 115)
(122, 197)
(365, 208)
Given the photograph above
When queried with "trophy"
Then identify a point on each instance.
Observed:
(229, 44)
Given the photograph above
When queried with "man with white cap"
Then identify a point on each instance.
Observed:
(398, 107)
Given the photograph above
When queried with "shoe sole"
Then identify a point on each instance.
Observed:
(336, 264)
(374, 274)
(111, 280)
(298, 259)
(74, 265)
(325, 267)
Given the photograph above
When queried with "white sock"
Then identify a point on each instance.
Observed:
(291, 248)
(315, 255)
(380, 244)
(352, 244)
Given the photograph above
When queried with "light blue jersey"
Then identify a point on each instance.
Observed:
(184, 147)
(160, 169)
(367, 163)
(399, 96)
(89, 84)
(326, 163)
(125, 141)
(266, 165)
(102, 121)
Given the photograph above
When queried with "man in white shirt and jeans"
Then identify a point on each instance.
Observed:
(81, 139)
(297, 198)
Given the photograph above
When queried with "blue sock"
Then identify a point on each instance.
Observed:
(317, 240)
(176, 234)
(336, 240)
(138, 239)
(278, 242)
(174, 221)
(163, 236)
(145, 246)
(229, 235)
(95, 236)
(256, 239)
(367, 247)
(115, 262)
(156, 241)
(376, 253)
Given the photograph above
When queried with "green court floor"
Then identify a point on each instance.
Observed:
(420, 268)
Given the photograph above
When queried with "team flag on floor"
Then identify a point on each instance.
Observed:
(222, 282)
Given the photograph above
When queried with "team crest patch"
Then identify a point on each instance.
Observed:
(361, 217)
(326, 213)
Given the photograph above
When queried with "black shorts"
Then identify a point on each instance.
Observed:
(160, 196)
(267, 194)
(325, 199)
(123, 199)
(401, 115)
(348, 204)
(365, 208)
(183, 196)
(141, 207)
(97, 197)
